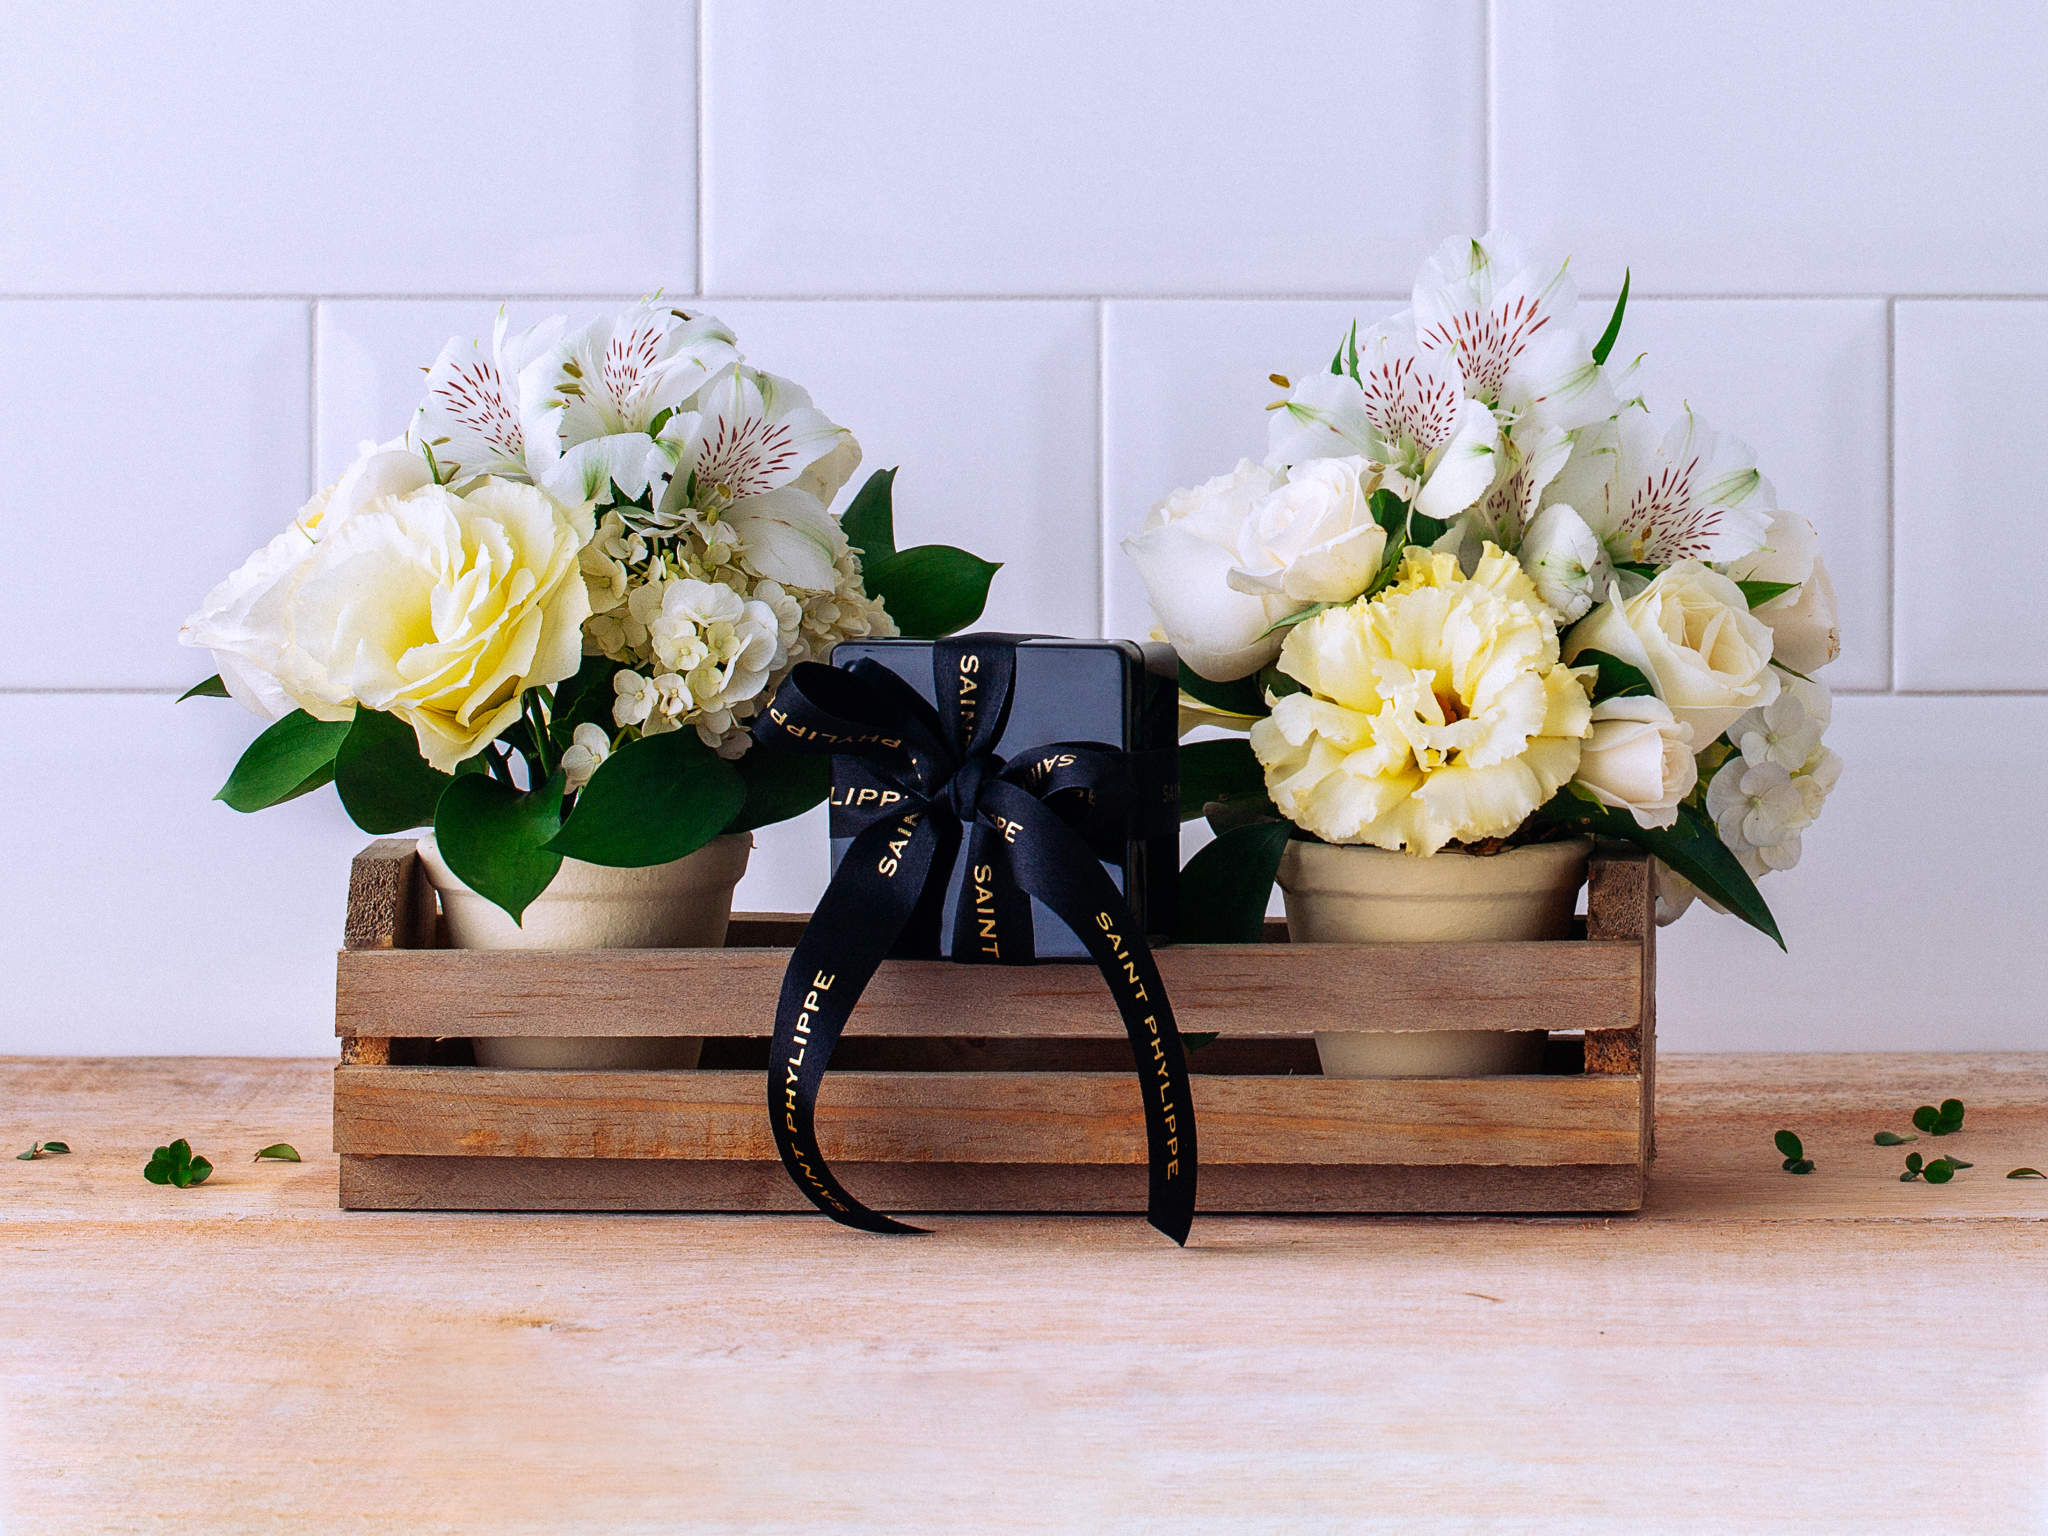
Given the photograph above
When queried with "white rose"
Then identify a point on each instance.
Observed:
(1638, 758)
(244, 620)
(1184, 555)
(1691, 633)
(1806, 628)
(439, 609)
(588, 747)
(1314, 539)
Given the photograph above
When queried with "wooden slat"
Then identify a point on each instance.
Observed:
(390, 904)
(1013, 1117)
(582, 1184)
(1234, 989)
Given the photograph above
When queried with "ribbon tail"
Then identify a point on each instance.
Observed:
(858, 919)
(1052, 863)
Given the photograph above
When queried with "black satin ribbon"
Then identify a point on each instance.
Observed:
(1033, 824)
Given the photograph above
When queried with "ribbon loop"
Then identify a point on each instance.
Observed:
(1031, 825)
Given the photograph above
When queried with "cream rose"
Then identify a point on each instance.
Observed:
(1437, 711)
(1314, 539)
(1691, 633)
(1184, 555)
(1806, 630)
(435, 607)
(1638, 758)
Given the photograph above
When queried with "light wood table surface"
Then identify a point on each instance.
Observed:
(1754, 1352)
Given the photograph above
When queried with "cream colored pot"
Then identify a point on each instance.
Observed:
(682, 905)
(1342, 895)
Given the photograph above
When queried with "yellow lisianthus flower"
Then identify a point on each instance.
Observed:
(1439, 711)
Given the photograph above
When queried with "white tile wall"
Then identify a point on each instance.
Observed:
(1044, 259)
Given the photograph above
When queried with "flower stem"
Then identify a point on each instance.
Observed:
(537, 728)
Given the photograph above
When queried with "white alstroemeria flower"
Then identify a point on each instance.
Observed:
(589, 746)
(1566, 561)
(1531, 459)
(789, 537)
(482, 413)
(1408, 409)
(622, 370)
(747, 433)
(1656, 497)
(1513, 329)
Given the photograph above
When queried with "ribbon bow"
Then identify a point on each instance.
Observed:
(930, 777)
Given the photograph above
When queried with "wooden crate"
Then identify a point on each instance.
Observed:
(989, 1088)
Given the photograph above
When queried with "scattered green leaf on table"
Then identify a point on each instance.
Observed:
(176, 1165)
(1912, 1168)
(212, 688)
(279, 1152)
(1794, 1152)
(292, 757)
(2027, 1173)
(1224, 889)
(1943, 1121)
(779, 785)
(1215, 770)
(932, 589)
(495, 837)
(1892, 1139)
(384, 783)
(651, 801)
(1941, 1170)
(41, 1150)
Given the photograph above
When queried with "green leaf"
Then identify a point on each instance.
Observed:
(1800, 1165)
(1608, 337)
(1196, 1041)
(384, 783)
(1760, 592)
(1637, 568)
(1940, 1171)
(1391, 513)
(291, 757)
(1952, 1113)
(198, 1171)
(1788, 1145)
(1912, 1162)
(495, 837)
(779, 785)
(651, 801)
(870, 520)
(2027, 1173)
(1617, 679)
(1293, 619)
(212, 688)
(1892, 1139)
(584, 699)
(30, 1155)
(279, 1152)
(1224, 888)
(1215, 770)
(59, 1147)
(1925, 1118)
(1240, 696)
(1957, 1162)
(1690, 845)
(175, 1165)
(932, 590)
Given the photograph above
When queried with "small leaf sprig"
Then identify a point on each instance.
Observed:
(1794, 1152)
(1943, 1121)
(279, 1152)
(1935, 1171)
(1892, 1139)
(176, 1165)
(2027, 1173)
(41, 1150)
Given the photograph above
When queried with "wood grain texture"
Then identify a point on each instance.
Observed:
(963, 1117)
(1235, 989)
(390, 904)
(244, 1357)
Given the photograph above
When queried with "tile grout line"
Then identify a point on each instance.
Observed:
(1891, 495)
(312, 396)
(701, 285)
(1101, 468)
(1487, 118)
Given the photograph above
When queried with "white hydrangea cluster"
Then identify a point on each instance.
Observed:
(705, 638)
(1773, 788)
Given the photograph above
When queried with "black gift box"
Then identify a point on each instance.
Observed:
(1115, 692)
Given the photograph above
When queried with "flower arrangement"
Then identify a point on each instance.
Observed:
(541, 619)
(1478, 595)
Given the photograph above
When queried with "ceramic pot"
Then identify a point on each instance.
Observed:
(1343, 895)
(682, 905)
